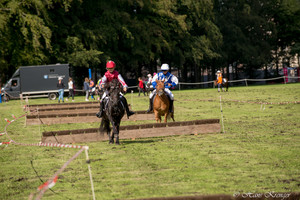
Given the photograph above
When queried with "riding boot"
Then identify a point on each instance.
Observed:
(100, 113)
(129, 113)
(171, 104)
(150, 105)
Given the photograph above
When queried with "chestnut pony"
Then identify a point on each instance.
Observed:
(224, 84)
(161, 102)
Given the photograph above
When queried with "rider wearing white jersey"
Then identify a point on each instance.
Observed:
(170, 81)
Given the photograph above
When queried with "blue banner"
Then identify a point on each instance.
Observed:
(90, 74)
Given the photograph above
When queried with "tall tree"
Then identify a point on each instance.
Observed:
(25, 35)
(287, 19)
(248, 30)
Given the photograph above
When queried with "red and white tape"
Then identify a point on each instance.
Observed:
(42, 144)
(5, 143)
(51, 182)
(48, 184)
(54, 145)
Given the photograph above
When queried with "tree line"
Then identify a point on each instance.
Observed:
(190, 35)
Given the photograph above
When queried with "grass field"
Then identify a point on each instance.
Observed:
(259, 151)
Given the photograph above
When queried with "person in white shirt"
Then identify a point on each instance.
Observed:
(71, 89)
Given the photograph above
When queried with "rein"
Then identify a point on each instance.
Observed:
(114, 101)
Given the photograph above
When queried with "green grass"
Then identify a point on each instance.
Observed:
(258, 153)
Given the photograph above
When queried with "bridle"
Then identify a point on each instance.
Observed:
(112, 91)
(160, 91)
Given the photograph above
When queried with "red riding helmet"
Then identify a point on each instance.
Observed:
(110, 64)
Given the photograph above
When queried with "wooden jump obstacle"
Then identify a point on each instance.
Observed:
(63, 104)
(84, 117)
(72, 113)
(135, 131)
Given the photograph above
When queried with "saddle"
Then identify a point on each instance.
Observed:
(164, 93)
(106, 101)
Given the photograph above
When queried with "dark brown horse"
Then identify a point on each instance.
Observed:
(161, 103)
(114, 110)
(224, 84)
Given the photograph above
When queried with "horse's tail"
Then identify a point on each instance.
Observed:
(104, 126)
(102, 129)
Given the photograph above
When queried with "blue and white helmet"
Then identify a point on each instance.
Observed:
(164, 67)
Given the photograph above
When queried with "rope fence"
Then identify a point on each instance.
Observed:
(246, 80)
(52, 181)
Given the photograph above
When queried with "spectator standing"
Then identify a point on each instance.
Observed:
(71, 89)
(86, 88)
(98, 89)
(141, 86)
(60, 86)
(92, 88)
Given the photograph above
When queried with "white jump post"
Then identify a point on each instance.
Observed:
(131, 105)
(222, 115)
(90, 171)
(246, 83)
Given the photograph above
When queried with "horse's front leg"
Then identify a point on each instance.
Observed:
(110, 134)
(113, 132)
(108, 130)
(117, 134)
(166, 116)
(111, 137)
(157, 117)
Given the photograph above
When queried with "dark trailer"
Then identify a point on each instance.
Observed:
(36, 81)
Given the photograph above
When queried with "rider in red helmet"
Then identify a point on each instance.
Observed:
(108, 77)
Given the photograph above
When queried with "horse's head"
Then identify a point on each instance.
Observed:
(160, 87)
(114, 90)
